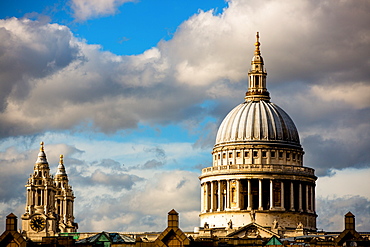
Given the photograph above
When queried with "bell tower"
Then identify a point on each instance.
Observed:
(64, 200)
(39, 219)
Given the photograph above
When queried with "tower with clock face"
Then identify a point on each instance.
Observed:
(41, 218)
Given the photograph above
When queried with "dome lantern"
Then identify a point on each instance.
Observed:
(257, 77)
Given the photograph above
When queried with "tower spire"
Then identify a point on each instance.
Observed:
(41, 157)
(257, 52)
(257, 76)
(61, 169)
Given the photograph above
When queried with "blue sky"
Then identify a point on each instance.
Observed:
(132, 93)
(133, 27)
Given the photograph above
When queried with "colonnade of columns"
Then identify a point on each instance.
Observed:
(258, 194)
(39, 197)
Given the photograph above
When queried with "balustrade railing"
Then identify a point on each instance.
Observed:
(257, 168)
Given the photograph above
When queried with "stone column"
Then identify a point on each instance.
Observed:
(212, 196)
(42, 197)
(300, 197)
(202, 197)
(238, 194)
(46, 200)
(227, 194)
(207, 197)
(249, 195)
(307, 201)
(28, 198)
(260, 207)
(291, 196)
(220, 197)
(32, 197)
(312, 199)
(28, 209)
(282, 195)
(271, 194)
(65, 209)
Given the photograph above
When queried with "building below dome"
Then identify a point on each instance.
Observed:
(257, 176)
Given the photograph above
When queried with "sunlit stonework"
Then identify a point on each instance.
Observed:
(258, 175)
(49, 201)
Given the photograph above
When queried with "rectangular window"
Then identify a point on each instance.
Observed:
(294, 156)
(219, 156)
(230, 155)
(288, 155)
(246, 154)
(255, 153)
(238, 154)
(272, 154)
(223, 155)
(264, 154)
(281, 155)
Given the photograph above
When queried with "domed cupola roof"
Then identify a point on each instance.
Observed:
(41, 157)
(257, 120)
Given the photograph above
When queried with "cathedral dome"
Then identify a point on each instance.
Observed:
(257, 121)
(257, 166)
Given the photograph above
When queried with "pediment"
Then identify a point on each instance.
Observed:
(253, 230)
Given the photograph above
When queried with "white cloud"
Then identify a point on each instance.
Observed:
(143, 208)
(346, 190)
(354, 94)
(344, 183)
(88, 9)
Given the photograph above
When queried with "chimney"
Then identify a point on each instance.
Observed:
(173, 219)
(11, 222)
(349, 221)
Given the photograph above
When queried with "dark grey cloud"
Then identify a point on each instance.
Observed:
(159, 153)
(207, 136)
(108, 163)
(106, 173)
(326, 155)
(159, 161)
(28, 55)
(116, 181)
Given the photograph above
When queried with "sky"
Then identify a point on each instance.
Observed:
(132, 94)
